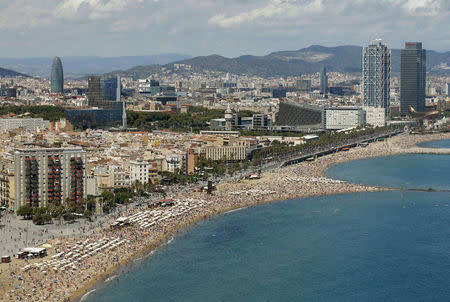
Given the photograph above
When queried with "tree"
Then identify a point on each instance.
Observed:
(26, 211)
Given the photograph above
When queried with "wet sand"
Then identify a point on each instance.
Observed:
(82, 262)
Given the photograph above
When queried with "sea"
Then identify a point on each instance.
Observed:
(378, 246)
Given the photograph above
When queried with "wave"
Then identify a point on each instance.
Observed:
(235, 210)
(111, 278)
(84, 297)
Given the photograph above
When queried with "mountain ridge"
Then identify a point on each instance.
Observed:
(345, 59)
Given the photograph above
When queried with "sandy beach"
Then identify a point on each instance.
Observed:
(74, 265)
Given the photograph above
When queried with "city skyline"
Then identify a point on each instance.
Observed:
(206, 27)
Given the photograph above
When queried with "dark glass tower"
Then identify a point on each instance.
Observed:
(412, 77)
(104, 92)
(57, 77)
(323, 81)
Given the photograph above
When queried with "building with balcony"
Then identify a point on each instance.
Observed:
(49, 176)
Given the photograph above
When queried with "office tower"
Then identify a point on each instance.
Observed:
(376, 75)
(412, 77)
(104, 92)
(57, 76)
(323, 81)
(49, 176)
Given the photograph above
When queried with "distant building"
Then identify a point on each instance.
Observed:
(231, 153)
(300, 115)
(279, 92)
(375, 117)
(104, 92)
(49, 176)
(106, 108)
(338, 118)
(412, 77)
(139, 171)
(29, 124)
(11, 92)
(303, 85)
(376, 75)
(57, 76)
(323, 81)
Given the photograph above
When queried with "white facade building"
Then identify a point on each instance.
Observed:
(139, 171)
(29, 124)
(343, 118)
(375, 117)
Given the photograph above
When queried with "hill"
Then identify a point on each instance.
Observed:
(345, 59)
(5, 73)
(78, 66)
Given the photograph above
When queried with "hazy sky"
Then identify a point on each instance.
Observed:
(30, 28)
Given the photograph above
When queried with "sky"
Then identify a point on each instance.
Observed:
(35, 28)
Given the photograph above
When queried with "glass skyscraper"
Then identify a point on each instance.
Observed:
(104, 92)
(106, 108)
(57, 76)
(323, 81)
(412, 77)
(376, 75)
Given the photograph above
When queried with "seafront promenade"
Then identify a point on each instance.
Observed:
(74, 265)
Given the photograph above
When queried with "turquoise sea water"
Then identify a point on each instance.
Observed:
(436, 144)
(407, 171)
(383, 246)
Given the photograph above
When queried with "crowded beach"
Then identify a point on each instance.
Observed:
(72, 265)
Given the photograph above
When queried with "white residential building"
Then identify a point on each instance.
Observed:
(139, 171)
(29, 124)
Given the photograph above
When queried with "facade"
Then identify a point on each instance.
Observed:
(300, 115)
(29, 124)
(7, 189)
(279, 92)
(232, 153)
(412, 77)
(323, 81)
(139, 171)
(57, 76)
(104, 92)
(260, 121)
(49, 176)
(106, 108)
(338, 118)
(303, 85)
(376, 75)
(375, 117)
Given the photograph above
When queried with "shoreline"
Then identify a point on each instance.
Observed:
(231, 196)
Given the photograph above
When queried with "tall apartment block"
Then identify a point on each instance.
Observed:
(412, 77)
(49, 176)
(376, 77)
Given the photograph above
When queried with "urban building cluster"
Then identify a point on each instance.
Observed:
(94, 149)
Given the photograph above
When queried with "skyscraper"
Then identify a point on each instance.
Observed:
(412, 77)
(57, 76)
(323, 81)
(104, 92)
(376, 75)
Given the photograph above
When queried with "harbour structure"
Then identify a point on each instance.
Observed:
(57, 76)
(376, 76)
(45, 176)
(412, 78)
